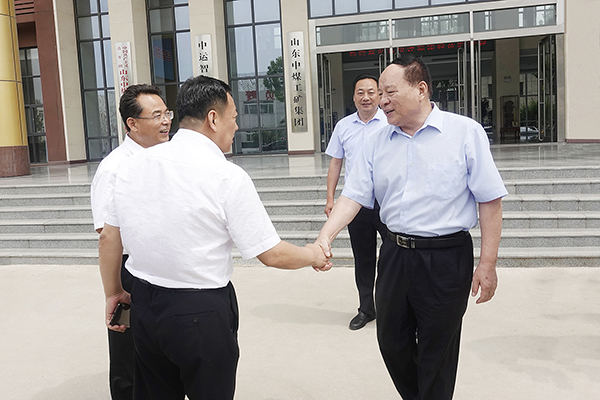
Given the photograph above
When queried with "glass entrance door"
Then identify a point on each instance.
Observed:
(325, 111)
(547, 89)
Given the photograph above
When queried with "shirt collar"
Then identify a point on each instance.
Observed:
(188, 135)
(435, 119)
(131, 144)
(377, 117)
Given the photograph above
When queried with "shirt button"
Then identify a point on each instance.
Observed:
(195, 319)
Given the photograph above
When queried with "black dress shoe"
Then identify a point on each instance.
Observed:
(360, 321)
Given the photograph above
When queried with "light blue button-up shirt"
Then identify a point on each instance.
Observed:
(350, 134)
(427, 184)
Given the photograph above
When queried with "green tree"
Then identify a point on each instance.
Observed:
(275, 81)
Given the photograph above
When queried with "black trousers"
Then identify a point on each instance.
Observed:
(363, 238)
(186, 342)
(122, 352)
(421, 298)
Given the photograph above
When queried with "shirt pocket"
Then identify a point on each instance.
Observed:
(445, 180)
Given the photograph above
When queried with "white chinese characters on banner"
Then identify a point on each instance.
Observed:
(123, 65)
(296, 75)
(204, 55)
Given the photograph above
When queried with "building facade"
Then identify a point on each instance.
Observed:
(526, 69)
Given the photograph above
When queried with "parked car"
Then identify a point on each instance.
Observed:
(529, 134)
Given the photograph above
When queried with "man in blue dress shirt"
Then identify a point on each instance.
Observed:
(348, 137)
(428, 171)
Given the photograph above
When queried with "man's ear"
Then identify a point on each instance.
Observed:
(423, 89)
(211, 119)
(132, 124)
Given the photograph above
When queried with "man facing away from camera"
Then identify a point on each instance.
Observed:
(428, 171)
(178, 209)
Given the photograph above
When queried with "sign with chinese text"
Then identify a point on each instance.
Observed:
(123, 65)
(204, 55)
(295, 72)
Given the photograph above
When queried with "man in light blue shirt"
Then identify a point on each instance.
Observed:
(428, 171)
(348, 137)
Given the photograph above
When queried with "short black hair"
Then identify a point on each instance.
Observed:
(197, 96)
(129, 106)
(415, 70)
(364, 76)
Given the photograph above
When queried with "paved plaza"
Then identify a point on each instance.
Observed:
(539, 338)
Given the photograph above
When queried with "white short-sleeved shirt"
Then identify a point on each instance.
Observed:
(349, 136)
(103, 184)
(427, 184)
(181, 207)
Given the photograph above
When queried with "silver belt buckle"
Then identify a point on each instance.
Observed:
(406, 242)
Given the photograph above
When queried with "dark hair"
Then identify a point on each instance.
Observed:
(415, 70)
(365, 76)
(197, 96)
(129, 106)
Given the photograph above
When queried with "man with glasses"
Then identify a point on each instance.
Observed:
(430, 171)
(148, 122)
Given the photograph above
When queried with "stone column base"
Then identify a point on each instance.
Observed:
(14, 161)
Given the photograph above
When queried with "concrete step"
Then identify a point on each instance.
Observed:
(49, 241)
(46, 212)
(36, 226)
(553, 186)
(45, 199)
(550, 220)
(44, 189)
(30, 256)
(549, 172)
(552, 202)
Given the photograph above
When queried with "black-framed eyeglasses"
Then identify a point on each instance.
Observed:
(167, 114)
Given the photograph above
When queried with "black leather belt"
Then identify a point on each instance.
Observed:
(436, 242)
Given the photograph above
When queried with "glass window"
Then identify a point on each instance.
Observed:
(89, 28)
(91, 65)
(268, 46)
(438, 2)
(241, 51)
(96, 71)
(352, 33)
(182, 18)
(99, 148)
(171, 48)
(161, 20)
(160, 3)
(256, 76)
(163, 60)
(375, 5)
(185, 57)
(108, 65)
(266, 10)
(37, 90)
(105, 26)
(431, 26)
(320, 8)
(86, 7)
(95, 113)
(345, 7)
(246, 99)
(33, 102)
(239, 12)
(272, 102)
(514, 18)
(411, 3)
